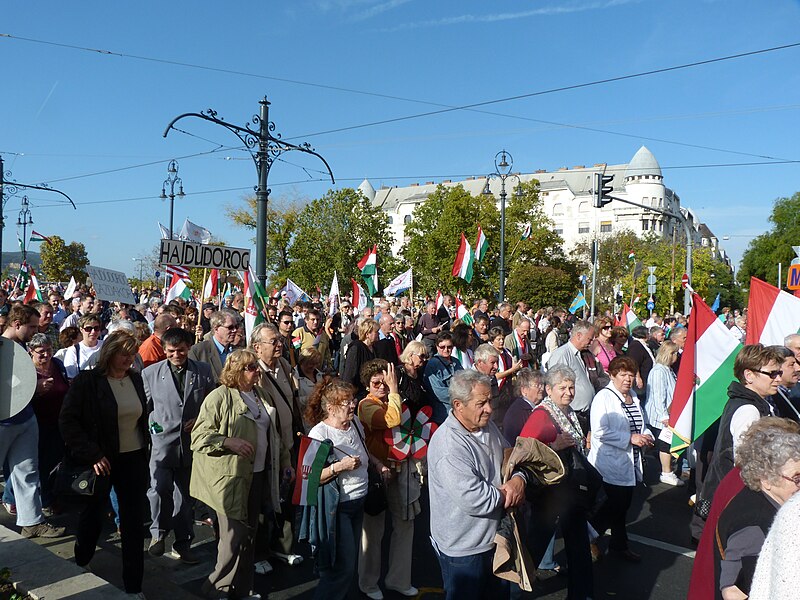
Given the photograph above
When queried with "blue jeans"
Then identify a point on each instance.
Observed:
(548, 562)
(335, 583)
(471, 578)
(19, 445)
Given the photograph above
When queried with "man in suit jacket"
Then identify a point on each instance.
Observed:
(175, 388)
(385, 346)
(215, 350)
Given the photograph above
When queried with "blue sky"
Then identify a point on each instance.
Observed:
(69, 113)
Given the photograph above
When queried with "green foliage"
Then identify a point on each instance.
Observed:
(61, 261)
(541, 285)
(775, 246)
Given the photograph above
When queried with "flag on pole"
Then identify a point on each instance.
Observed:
(164, 231)
(578, 303)
(630, 320)
(333, 296)
(631, 255)
(33, 292)
(481, 245)
(706, 371)
(369, 270)
(526, 233)
(439, 299)
(462, 313)
(254, 302)
(359, 297)
(22, 278)
(21, 245)
(38, 237)
(715, 306)
(462, 267)
(772, 314)
(71, 287)
(212, 284)
(399, 284)
(310, 461)
(293, 292)
(194, 233)
(177, 289)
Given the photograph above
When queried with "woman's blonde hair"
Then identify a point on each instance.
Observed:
(365, 327)
(664, 356)
(234, 367)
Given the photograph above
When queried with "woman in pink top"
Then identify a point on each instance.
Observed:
(602, 348)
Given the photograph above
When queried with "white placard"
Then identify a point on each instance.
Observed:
(191, 254)
(110, 285)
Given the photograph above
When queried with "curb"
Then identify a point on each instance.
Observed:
(44, 576)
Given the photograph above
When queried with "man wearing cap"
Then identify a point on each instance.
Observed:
(19, 440)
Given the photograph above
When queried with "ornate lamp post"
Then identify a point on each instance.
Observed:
(503, 163)
(170, 182)
(24, 220)
(264, 148)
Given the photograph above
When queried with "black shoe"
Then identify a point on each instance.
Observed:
(628, 555)
(185, 555)
(156, 547)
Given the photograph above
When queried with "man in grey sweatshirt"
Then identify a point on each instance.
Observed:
(466, 496)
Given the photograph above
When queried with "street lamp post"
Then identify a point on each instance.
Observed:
(141, 273)
(24, 220)
(269, 148)
(170, 182)
(503, 163)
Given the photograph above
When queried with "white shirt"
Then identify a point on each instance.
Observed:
(74, 362)
(352, 484)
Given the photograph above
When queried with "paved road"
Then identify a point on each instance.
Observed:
(658, 524)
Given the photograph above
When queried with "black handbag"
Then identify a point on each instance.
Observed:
(375, 502)
(583, 479)
(77, 480)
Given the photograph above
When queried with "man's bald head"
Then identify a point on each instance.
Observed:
(163, 322)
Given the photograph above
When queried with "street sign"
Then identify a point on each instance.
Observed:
(651, 269)
(158, 274)
(651, 279)
(651, 289)
(650, 305)
(793, 277)
(684, 280)
(192, 254)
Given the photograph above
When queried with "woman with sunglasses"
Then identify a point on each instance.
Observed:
(438, 373)
(76, 358)
(236, 446)
(409, 376)
(757, 371)
(602, 347)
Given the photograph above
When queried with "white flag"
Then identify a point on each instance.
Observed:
(292, 292)
(192, 232)
(164, 231)
(333, 296)
(71, 288)
(399, 284)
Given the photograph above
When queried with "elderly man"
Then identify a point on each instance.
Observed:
(792, 342)
(85, 307)
(521, 314)
(466, 497)
(278, 383)
(215, 350)
(569, 354)
(46, 324)
(503, 318)
(518, 342)
(487, 361)
(19, 440)
(151, 350)
(386, 345)
(175, 388)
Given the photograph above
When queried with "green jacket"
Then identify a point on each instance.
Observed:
(220, 478)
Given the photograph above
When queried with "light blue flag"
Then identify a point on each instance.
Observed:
(715, 306)
(578, 303)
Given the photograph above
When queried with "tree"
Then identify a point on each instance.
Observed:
(766, 251)
(61, 261)
(541, 285)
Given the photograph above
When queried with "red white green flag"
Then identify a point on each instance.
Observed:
(481, 245)
(464, 259)
(177, 289)
(462, 313)
(369, 270)
(772, 314)
(310, 462)
(33, 292)
(211, 288)
(254, 302)
(439, 299)
(630, 320)
(359, 297)
(706, 371)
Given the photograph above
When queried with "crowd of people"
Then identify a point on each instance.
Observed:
(171, 406)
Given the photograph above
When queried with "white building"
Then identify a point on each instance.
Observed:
(567, 200)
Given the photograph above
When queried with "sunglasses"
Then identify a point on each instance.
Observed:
(445, 347)
(251, 368)
(287, 322)
(771, 374)
(229, 327)
(422, 356)
(93, 328)
(606, 327)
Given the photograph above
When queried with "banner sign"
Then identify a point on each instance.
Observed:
(192, 254)
(110, 285)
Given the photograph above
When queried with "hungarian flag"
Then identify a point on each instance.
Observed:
(706, 371)
(631, 255)
(177, 289)
(359, 297)
(23, 277)
(369, 270)
(772, 314)
(211, 289)
(462, 313)
(481, 245)
(254, 303)
(33, 292)
(439, 299)
(629, 318)
(310, 462)
(526, 233)
(462, 267)
(38, 237)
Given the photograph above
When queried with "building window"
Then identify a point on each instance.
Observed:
(558, 210)
(645, 225)
(661, 226)
(583, 228)
(559, 230)
(605, 226)
(583, 207)
(391, 220)
(407, 219)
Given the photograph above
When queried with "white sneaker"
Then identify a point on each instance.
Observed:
(290, 559)
(671, 479)
(410, 592)
(376, 595)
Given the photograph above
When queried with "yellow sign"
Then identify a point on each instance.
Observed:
(793, 277)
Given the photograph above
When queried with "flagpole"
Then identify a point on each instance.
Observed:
(203, 290)
(515, 248)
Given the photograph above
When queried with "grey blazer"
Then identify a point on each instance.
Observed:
(171, 412)
(206, 351)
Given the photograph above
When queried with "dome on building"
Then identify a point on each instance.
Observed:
(369, 191)
(643, 163)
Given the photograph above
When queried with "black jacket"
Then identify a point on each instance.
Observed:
(88, 420)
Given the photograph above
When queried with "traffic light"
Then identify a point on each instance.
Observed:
(602, 189)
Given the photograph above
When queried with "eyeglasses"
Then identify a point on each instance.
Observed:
(251, 368)
(377, 383)
(771, 374)
(445, 347)
(42, 351)
(273, 342)
(229, 327)
(795, 479)
(92, 328)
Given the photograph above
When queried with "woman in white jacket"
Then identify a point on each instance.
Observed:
(619, 435)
